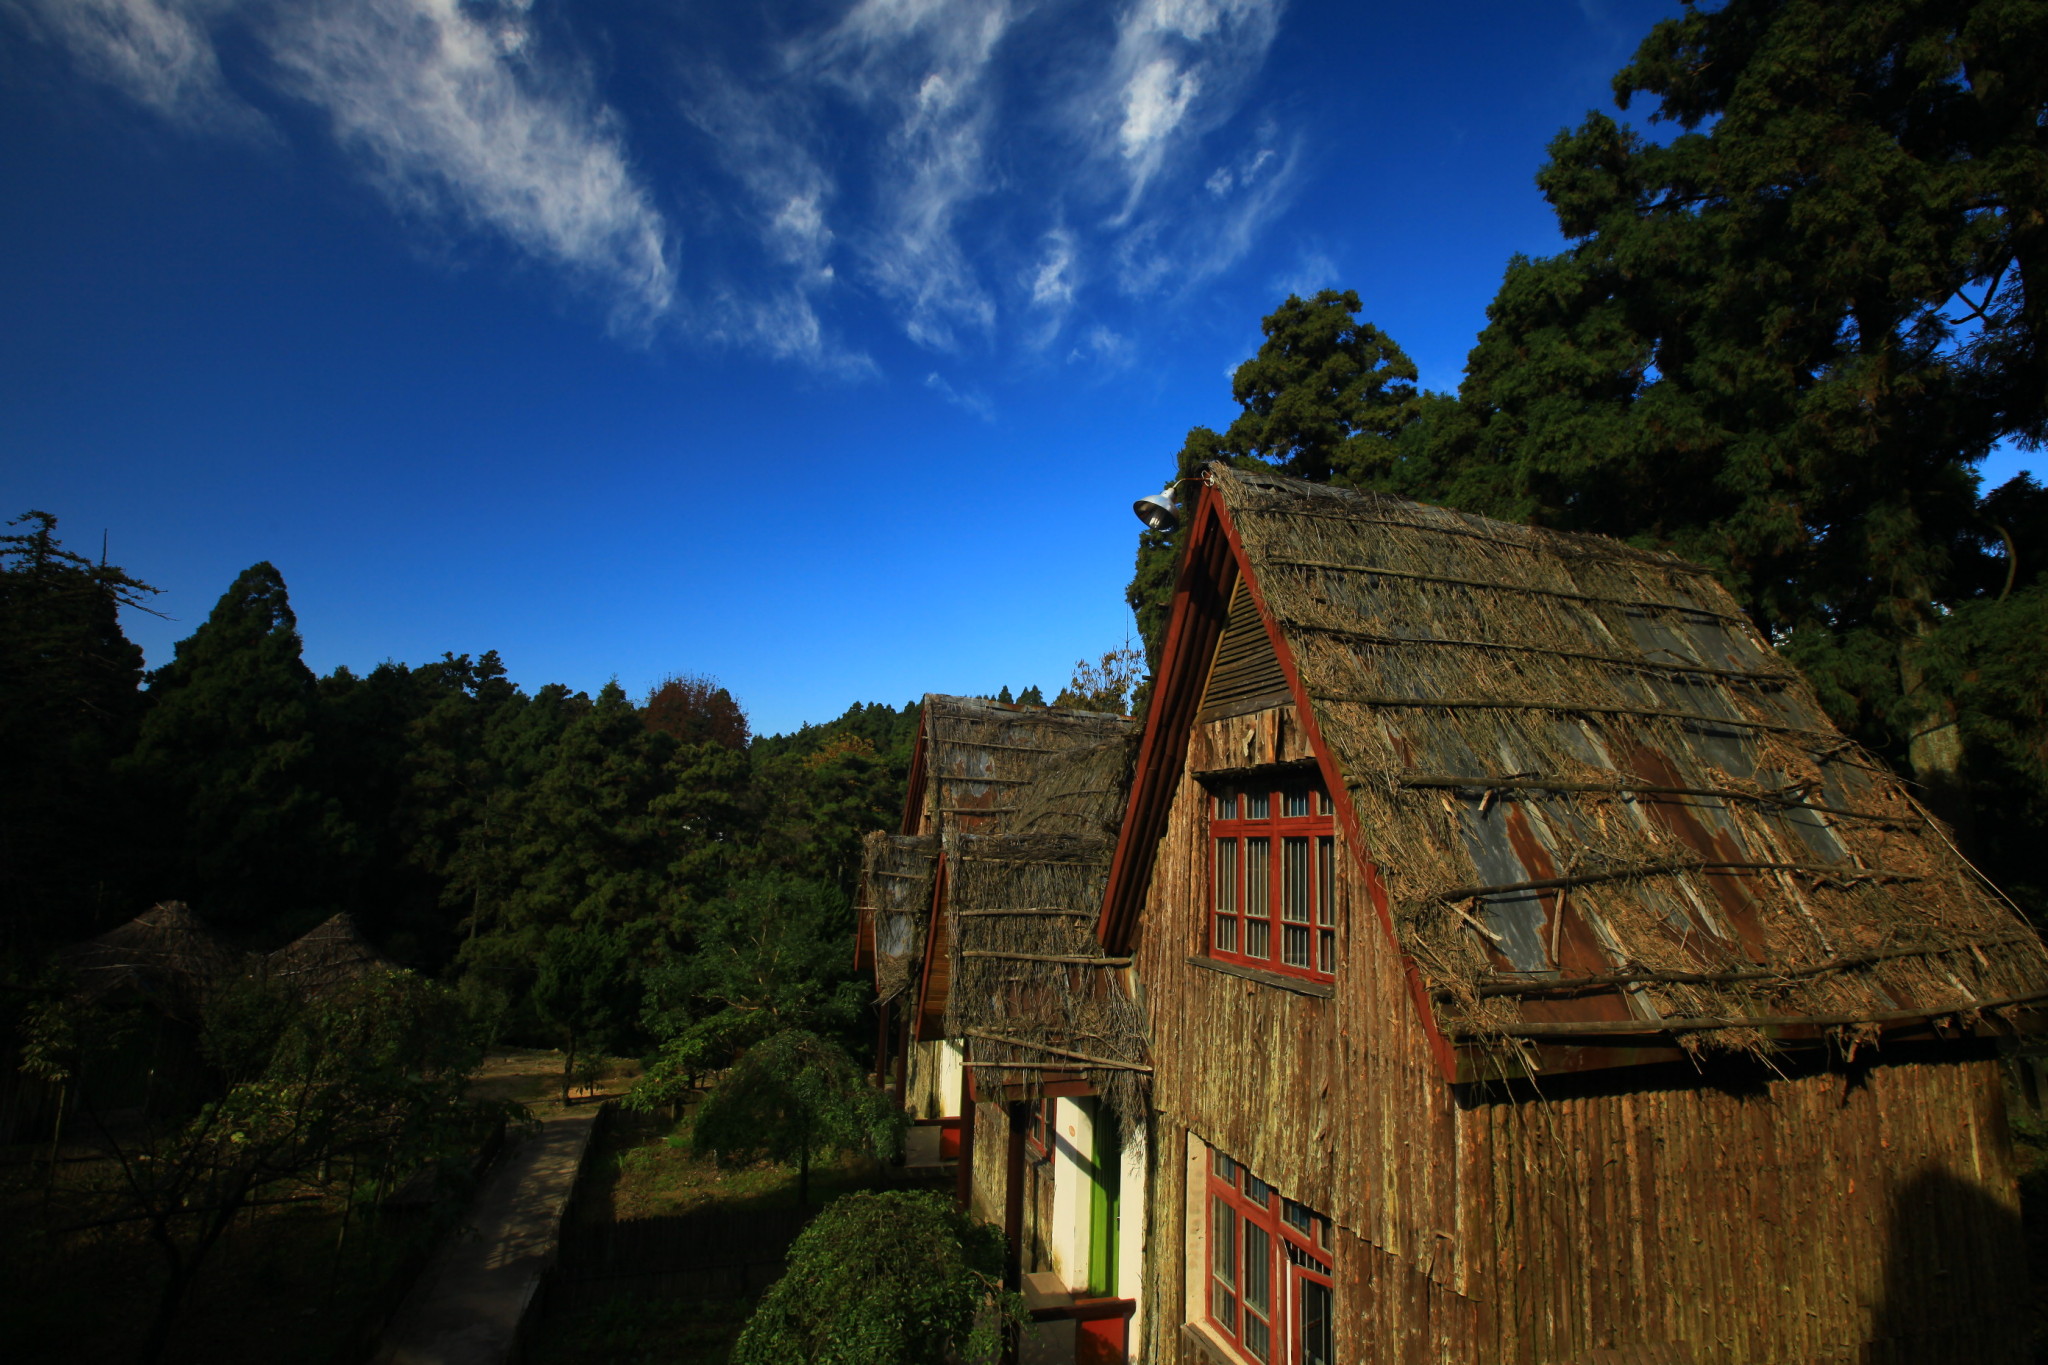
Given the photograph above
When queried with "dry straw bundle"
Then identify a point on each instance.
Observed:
(331, 954)
(1023, 769)
(166, 953)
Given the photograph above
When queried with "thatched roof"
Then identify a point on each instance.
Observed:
(1029, 984)
(328, 955)
(992, 767)
(1599, 802)
(895, 901)
(993, 787)
(166, 953)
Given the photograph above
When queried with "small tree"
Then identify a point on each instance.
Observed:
(584, 985)
(1109, 684)
(375, 1072)
(893, 1278)
(794, 1094)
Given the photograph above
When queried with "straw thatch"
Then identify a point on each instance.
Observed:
(992, 767)
(166, 954)
(331, 954)
(1596, 796)
(1020, 805)
(895, 902)
(1030, 983)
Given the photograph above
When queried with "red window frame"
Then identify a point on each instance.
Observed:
(1043, 1131)
(1272, 858)
(1271, 1289)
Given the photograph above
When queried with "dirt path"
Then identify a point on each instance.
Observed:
(467, 1307)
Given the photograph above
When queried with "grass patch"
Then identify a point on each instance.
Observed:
(643, 1330)
(644, 1168)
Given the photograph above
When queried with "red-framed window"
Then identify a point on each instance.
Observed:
(1271, 1293)
(1044, 1128)
(1273, 877)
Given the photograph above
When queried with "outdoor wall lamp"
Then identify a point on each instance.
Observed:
(1160, 512)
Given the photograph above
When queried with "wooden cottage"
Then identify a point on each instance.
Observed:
(1533, 973)
(1000, 1022)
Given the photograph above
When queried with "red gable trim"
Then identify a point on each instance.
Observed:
(913, 799)
(1215, 559)
(928, 1021)
(1201, 597)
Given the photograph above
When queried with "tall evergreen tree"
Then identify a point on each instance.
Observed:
(227, 758)
(1781, 340)
(1324, 399)
(69, 702)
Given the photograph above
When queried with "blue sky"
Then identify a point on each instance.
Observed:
(818, 347)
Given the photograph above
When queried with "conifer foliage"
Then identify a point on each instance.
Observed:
(1779, 343)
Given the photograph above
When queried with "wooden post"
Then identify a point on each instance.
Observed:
(1013, 1217)
(1013, 1196)
(963, 1169)
(903, 1055)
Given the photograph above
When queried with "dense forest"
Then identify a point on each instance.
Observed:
(589, 872)
(578, 865)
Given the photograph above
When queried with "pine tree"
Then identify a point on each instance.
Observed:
(69, 703)
(228, 758)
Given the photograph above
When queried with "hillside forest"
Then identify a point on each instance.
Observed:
(602, 872)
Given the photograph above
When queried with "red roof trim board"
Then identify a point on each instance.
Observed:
(1192, 628)
(913, 798)
(1214, 561)
(928, 1022)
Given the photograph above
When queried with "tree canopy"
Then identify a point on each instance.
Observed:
(1779, 342)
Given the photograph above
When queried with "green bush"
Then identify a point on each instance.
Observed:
(893, 1278)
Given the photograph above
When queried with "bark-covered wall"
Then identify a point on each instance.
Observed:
(1864, 1213)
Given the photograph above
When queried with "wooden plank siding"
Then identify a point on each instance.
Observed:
(1835, 1213)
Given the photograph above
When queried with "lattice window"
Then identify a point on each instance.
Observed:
(1273, 877)
(1271, 1292)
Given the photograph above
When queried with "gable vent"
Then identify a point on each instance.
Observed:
(1246, 673)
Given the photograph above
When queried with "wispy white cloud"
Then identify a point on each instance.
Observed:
(1171, 254)
(1103, 349)
(448, 108)
(971, 400)
(1178, 71)
(983, 170)
(448, 112)
(157, 52)
(1312, 271)
(762, 139)
(779, 322)
(925, 67)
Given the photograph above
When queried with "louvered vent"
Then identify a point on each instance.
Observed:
(1246, 675)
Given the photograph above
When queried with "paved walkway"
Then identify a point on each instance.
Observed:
(466, 1308)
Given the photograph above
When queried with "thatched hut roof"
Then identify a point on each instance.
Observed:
(1599, 803)
(895, 903)
(166, 954)
(330, 954)
(993, 787)
(1030, 988)
(992, 767)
